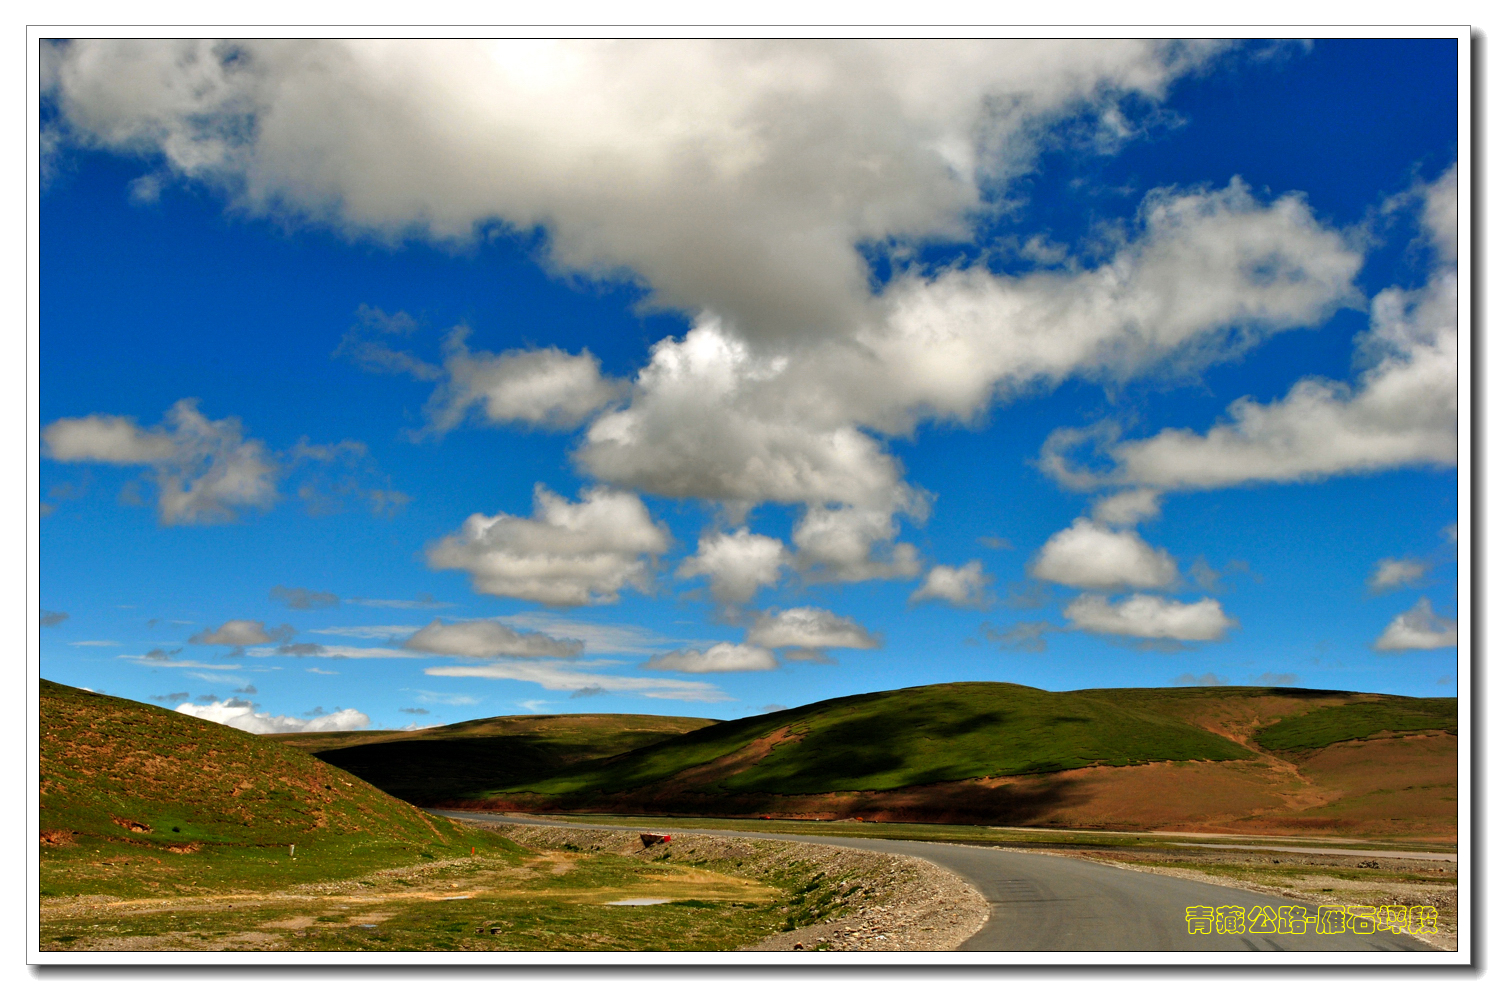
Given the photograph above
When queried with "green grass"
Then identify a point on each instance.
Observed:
(1321, 727)
(471, 759)
(893, 739)
(533, 909)
(137, 800)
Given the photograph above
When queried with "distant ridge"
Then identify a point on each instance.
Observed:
(475, 758)
(1282, 759)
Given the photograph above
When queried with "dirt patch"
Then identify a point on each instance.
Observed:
(726, 766)
(1401, 785)
(125, 823)
(301, 921)
(57, 837)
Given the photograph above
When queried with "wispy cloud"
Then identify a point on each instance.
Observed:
(420, 601)
(367, 632)
(438, 698)
(563, 676)
(332, 651)
(599, 637)
(162, 660)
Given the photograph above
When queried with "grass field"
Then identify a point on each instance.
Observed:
(502, 900)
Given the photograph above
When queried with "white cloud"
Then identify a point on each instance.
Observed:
(95, 642)
(1127, 508)
(965, 585)
(738, 182)
(205, 470)
(487, 638)
(1150, 617)
(556, 675)
(715, 659)
(543, 387)
(717, 415)
(319, 670)
(851, 544)
(567, 553)
(242, 632)
(245, 715)
(710, 419)
(1210, 273)
(1418, 629)
(1400, 412)
(1392, 572)
(107, 440)
(1441, 216)
(809, 628)
(1087, 555)
(740, 176)
(738, 564)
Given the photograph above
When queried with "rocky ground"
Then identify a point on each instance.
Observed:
(880, 902)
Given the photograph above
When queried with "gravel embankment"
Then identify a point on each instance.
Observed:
(880, 902)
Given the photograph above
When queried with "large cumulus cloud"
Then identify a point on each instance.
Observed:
(566, 553)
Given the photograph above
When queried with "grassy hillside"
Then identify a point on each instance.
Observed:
(472, 759)
(895, 739)
(1321, 727)
(136, 799)
(1281, 760)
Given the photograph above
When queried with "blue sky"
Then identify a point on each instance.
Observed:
(398, 384)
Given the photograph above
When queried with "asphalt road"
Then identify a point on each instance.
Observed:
(1043, 903)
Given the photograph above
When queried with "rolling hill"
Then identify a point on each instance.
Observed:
(136, 798)
(1238, 758)
(469, 760)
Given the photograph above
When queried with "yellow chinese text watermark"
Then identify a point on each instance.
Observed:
(1294, 919)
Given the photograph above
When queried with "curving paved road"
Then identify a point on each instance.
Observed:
(1043, 903)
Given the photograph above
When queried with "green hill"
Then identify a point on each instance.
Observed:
(1281, 760)
(894, 739)
(472, 759)
(135, 798)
